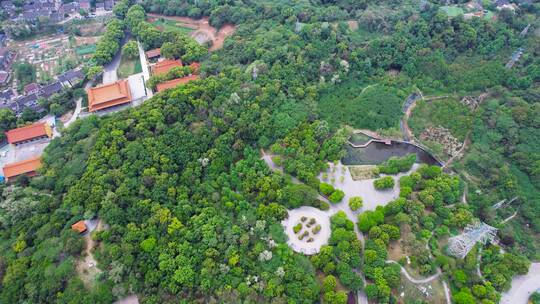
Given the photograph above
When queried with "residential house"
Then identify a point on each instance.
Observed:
(84, 5)
(109, 4)
(100, 7)
(50, 89)
(4, 78)
(32, 88)
(6, 58)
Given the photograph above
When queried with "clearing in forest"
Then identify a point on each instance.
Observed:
(361, 107)
(87, 267)
(199, 29)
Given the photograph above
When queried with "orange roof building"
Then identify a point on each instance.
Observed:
(79, 226)
(108, 95)
(29, 133)
(175, 82)
(28, 167)
(165, 66)
(153, 53)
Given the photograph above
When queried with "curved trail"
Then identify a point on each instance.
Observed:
(361, 295)
(413, 280)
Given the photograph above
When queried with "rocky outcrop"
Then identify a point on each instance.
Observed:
(451, 145)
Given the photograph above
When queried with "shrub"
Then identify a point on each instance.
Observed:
(336, 196)
(383, 183)
(316, 229)
(355, 203)
(297, 228)
(326, 189)
(397, 164)
(370, 219)
(323, 205)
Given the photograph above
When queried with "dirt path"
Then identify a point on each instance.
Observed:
(202, 30)
(87, 267)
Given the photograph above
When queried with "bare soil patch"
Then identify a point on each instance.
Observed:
(87, 267)
(353, 25)
(203, 31)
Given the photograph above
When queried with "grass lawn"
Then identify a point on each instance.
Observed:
(129, 67)
(171, 25)
(452, 11)
(85, 49)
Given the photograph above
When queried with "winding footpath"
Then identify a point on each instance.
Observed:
(413, 280)
(334, 208)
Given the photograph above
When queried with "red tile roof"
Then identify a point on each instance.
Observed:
(153, 53)
(79, 226)
(165, 66)
(28, 167)
(28, 132)
(175, 82)
(108, 95)
(31, 87)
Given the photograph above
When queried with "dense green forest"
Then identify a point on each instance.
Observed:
(192, 212)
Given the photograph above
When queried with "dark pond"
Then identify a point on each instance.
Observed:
(378, 152)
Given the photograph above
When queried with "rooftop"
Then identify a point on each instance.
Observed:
(79, 226)
(175, 82)
(108, 95)
(27, 132)
(153, 53)
(22, 167)
(165, 66)
(31, 87)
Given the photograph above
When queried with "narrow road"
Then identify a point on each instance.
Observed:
(109, 70)
(144, 66)
(78, 106)
(510, 217)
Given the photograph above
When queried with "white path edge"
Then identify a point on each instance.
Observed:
(523, 286)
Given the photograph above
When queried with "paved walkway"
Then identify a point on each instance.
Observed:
(144, 66)
(322, 218)
(78, 106)
(523, 286)
(109, 70)
(413, 280)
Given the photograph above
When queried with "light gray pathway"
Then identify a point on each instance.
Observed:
(410, 278)
(109, 70)
(319, 239)
(78, 106)
(523, 286)
(144, 66)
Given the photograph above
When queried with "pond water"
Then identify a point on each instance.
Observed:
(378, 152)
